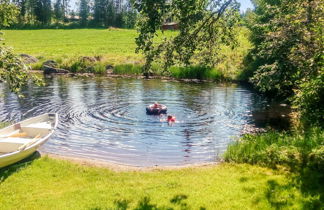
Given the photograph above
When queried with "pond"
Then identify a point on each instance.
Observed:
(105, 119)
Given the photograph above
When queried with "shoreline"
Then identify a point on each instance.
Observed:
(131, 76)
(118, 167)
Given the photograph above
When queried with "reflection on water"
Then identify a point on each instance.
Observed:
(105, 119)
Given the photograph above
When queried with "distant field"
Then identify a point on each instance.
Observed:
(113, 46)
(57, 43)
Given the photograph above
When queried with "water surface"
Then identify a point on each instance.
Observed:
(104, 119)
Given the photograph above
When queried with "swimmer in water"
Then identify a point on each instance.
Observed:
(171, 119)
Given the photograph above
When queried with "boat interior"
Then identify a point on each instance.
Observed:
(19, 136)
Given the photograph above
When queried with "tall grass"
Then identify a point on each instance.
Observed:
(295, 150)
(196, 72)
(300, 152)
(129, 69)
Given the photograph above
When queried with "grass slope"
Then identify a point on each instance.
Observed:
(46, 183)
(116, 47)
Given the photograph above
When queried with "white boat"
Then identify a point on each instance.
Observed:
(22, 139)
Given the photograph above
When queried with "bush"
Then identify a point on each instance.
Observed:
(309, 101)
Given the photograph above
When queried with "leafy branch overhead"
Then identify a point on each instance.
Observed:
(12, 70)
(204, 25)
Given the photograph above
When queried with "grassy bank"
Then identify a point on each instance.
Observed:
(54, 184)
(112, 47)
(300, 152)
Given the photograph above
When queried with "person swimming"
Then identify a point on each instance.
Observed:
(171, 119)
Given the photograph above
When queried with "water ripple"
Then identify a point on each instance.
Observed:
(105, 119)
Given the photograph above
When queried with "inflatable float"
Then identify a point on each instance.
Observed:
(156, 109)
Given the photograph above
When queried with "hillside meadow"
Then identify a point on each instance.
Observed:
(112, 47)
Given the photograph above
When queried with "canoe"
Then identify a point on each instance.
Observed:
(22, 139)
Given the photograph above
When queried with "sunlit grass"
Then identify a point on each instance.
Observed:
(52, 43)
(54, 184)
(114, 47)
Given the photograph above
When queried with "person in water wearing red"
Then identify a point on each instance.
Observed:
(171, 119)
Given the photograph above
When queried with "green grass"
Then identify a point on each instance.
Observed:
(197, 72)
(273, 148)
(301, 152)
(46, 183)
(114, 47)
(131, 69)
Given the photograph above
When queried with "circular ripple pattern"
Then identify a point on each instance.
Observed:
(105, 119)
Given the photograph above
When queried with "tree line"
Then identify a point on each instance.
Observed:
(86, 13)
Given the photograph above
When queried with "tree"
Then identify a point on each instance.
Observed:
(59, 10)
(203, 26)
(129, 15)
(84, 12)
(12, 69)
(287, 59)
(104, 13)
(8, 13)
(43, 11)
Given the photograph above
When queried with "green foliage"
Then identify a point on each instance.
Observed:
(8, 13)
(59, 10)
(296, 151)
(300, 152)
(12, 70)
(203, 26)
(43, 11)
(81, 65)
(287, 56)
(84, 11)
(196, 72)
(128, 69)
(309, 101)
(62, 185)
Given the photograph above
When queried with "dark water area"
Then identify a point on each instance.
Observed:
(105, 119)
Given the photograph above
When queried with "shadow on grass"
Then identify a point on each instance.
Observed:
(177, 202)
(11, 169)
(310, 184)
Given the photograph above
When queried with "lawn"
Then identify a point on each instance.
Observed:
(113, 46)
(47, 183)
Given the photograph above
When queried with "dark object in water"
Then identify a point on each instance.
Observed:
(152, 110)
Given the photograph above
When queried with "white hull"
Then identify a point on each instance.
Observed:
(32, 133)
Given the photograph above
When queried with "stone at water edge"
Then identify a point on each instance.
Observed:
(89, 59)
(28, 59)
(109, 69)
(50, 63)
(52, 70)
